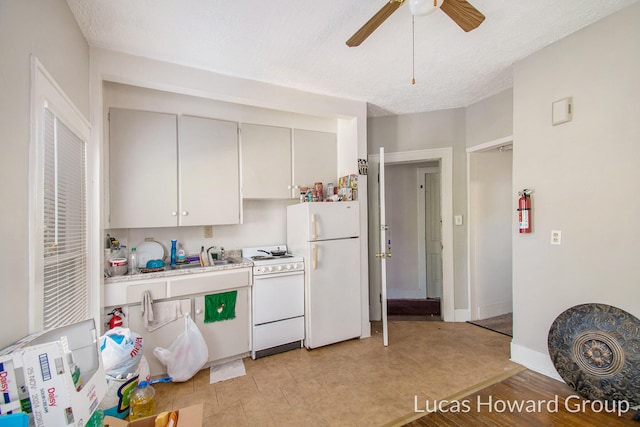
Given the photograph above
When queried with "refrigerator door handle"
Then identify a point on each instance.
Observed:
(314, 235)
(315, 257)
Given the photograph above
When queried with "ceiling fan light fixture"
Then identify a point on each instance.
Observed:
(423, 7)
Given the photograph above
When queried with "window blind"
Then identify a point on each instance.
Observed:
(65, 280)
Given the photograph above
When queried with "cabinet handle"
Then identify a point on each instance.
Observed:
(198, 311)
(174, 213)
(296, 187)
(315, 257)
(289, 187)
(314, 235)
(185, 213)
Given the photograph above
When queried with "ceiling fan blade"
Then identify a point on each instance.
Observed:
(463, 14)
(373, 23)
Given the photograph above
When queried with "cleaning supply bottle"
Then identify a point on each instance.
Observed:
(173, 252)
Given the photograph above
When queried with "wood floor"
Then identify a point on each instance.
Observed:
(523, 399)
(414, 307)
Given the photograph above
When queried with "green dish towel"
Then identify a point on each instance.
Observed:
(219, 307)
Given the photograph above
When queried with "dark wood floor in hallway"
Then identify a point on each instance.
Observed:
(524, 399)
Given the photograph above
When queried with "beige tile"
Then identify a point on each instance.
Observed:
(354, 383)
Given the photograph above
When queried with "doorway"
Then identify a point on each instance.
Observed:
(491, 201)
(396, 212)
(414, 273)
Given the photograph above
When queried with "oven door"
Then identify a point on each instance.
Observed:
(278, 296)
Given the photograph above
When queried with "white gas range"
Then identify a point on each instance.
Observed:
(277, 300)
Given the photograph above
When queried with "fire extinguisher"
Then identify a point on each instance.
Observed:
(524, 211)
(116, 319)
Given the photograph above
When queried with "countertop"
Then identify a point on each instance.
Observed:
(238, 263)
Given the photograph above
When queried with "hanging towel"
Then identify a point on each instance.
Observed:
(220, 306)
(147, 310)
(164, 312)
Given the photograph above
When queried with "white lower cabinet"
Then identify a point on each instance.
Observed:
(161, 337)
(227, 338)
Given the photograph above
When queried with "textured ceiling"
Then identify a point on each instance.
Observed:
(301, 44)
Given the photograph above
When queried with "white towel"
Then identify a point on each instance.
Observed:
(164, 312)
(147, 309)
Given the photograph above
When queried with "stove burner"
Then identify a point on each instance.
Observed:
(263, 257)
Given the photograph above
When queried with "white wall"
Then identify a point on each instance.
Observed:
(585, 175)
(436, 129)
(490, 119)
(49, 31)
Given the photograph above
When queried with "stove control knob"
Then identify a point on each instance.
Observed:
(289, 266)
(279, 268)
(270, 268)
(295, 266)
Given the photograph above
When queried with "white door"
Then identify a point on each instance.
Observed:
(382, 252)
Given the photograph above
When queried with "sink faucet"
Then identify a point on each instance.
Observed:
(209, 255)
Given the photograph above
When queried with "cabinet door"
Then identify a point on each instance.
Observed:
(209, 172)
(315, 158)
(161, 337)
(143, 184)
(266, 162)
(226, 338)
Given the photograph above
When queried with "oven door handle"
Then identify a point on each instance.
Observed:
(276, 275)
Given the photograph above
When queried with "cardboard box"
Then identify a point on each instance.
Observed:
(43, 366)
(190, 416)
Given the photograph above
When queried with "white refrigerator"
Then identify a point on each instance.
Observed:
(327, 236)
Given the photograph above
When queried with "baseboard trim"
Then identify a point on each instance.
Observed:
(534, 360)
(461, 315)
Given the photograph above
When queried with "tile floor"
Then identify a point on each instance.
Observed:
(353, 383)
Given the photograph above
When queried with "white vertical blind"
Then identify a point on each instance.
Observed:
(65, 282)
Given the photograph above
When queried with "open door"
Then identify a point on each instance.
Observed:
(384, 251)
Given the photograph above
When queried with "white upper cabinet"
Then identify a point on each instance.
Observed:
(158, 178)
(209, 172)
(277, 161)
(315, 158)
(266, 162)
(143, 177)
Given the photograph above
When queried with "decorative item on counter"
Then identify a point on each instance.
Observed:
(174, 242)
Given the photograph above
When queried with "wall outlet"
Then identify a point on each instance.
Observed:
(208, 231)
(556, 237)
(458, 219)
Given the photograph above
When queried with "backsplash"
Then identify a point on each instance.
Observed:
(265, 223)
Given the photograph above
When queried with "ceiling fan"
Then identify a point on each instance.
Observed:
(461, 11)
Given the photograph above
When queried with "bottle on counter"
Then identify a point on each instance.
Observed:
(133, 261)
(174, 243)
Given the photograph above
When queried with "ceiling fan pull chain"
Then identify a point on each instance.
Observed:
(413, 50)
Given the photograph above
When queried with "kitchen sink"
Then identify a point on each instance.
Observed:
(215, 262)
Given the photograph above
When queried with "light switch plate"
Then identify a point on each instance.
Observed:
(458, 219)
(556, 237)
(561, 111)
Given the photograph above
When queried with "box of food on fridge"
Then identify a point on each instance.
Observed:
(57, 377)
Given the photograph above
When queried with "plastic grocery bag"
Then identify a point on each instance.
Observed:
(187, 355)
(121, 351)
